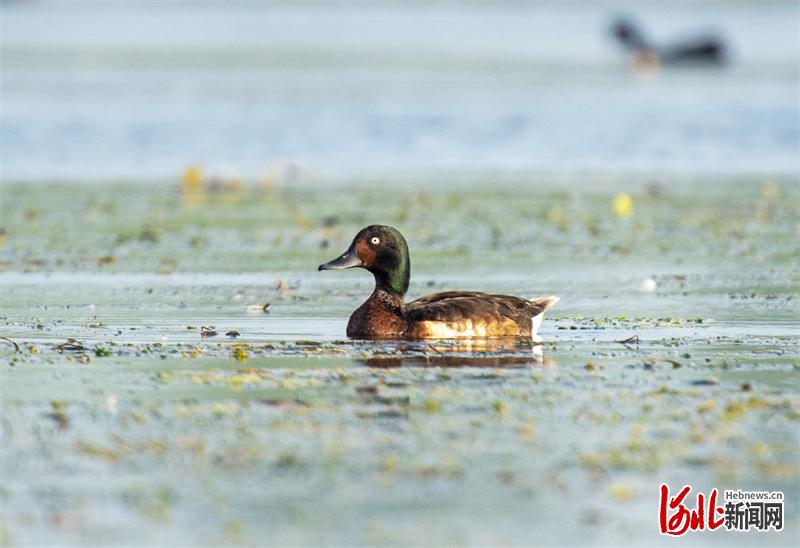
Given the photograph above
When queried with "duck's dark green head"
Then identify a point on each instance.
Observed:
(383, 251)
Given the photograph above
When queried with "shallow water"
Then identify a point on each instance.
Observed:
(111, 90)
(142, 428)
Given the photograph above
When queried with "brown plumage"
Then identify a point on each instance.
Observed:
(472, 313)
(451, 314)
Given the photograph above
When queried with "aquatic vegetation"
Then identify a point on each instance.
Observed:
(110, 369)
(622, 205)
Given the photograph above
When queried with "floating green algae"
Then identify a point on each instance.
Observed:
(122, 416)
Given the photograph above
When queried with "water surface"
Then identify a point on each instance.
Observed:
(140, 427)
(118, 90)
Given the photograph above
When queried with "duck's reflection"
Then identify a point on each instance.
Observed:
(462, 353)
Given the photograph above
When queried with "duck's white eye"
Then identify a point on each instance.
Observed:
(375, 240)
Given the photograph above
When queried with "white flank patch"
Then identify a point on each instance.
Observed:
(536, 323)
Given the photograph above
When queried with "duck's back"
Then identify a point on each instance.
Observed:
(472, 314)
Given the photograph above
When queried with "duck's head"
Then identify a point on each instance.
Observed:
(383, 251)
(628, 33)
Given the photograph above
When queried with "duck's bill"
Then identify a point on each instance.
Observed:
(348, 259)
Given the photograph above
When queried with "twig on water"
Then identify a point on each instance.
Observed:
(630, 340)
(435, 349)
(71, 345)
(16, 346)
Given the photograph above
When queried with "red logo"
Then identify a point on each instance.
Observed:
(675, 518)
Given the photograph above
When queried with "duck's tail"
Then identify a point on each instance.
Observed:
(538, 307)
(543, 303)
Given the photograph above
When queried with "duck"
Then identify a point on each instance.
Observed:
(702, 49)
(383, 251)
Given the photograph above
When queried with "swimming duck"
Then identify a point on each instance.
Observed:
(383, 251)
(706, 48)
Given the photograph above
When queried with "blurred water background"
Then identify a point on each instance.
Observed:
(139, 90)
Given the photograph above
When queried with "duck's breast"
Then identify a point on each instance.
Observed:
(379, 317)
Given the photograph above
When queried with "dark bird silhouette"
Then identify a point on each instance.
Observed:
(702, 49)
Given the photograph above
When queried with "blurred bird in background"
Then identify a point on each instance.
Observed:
(706, 48)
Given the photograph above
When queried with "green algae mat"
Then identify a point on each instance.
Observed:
(173, 369)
